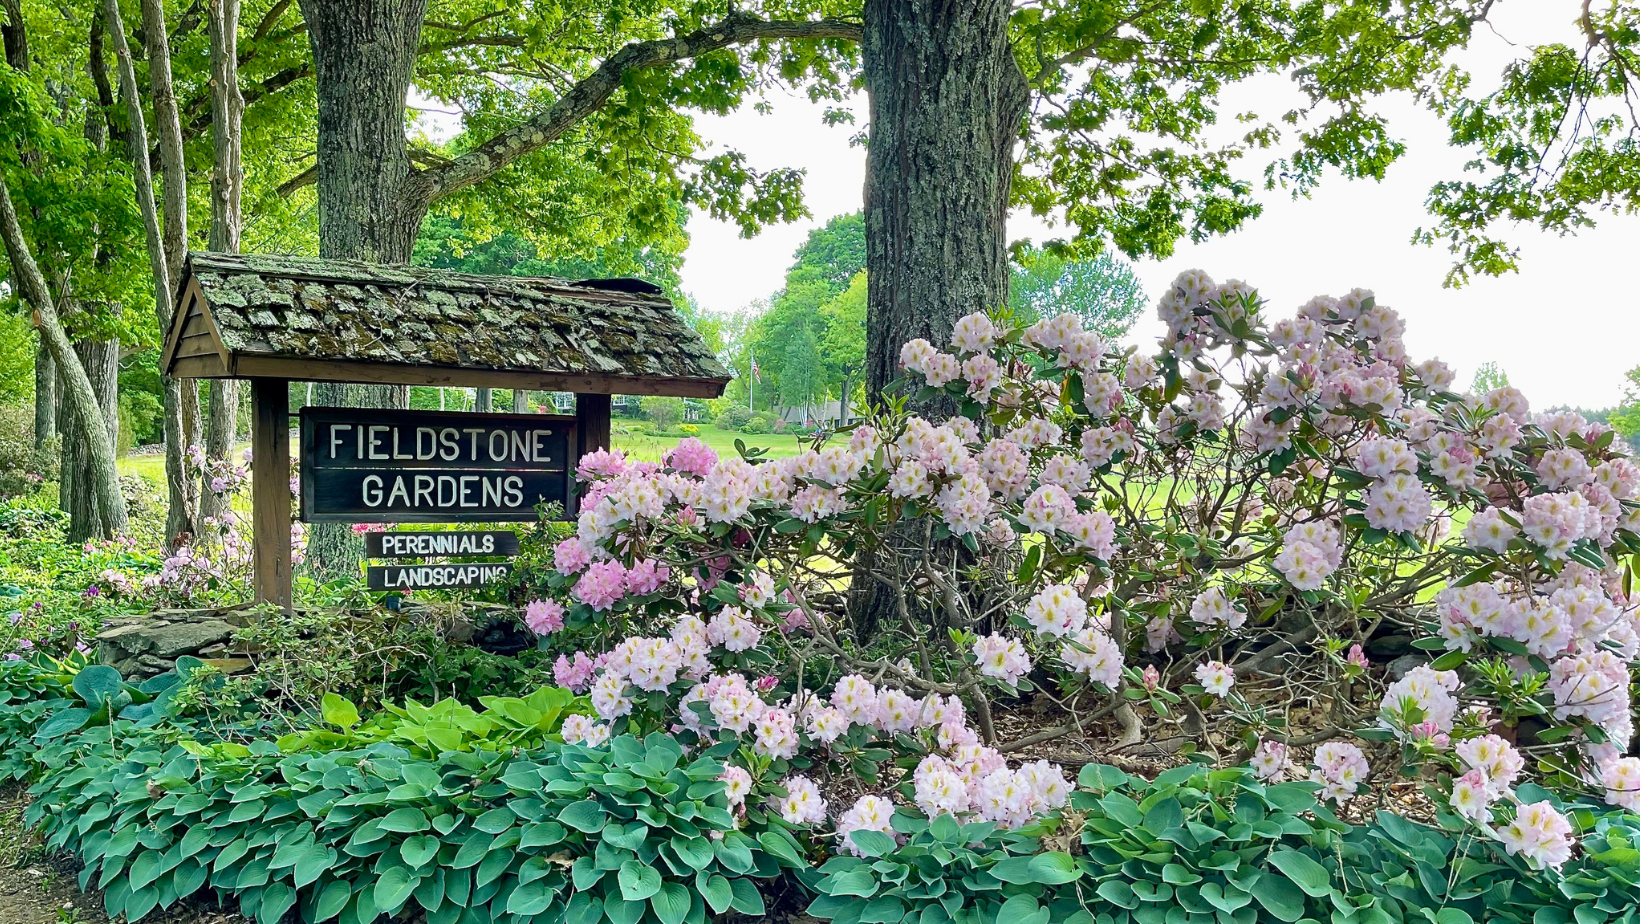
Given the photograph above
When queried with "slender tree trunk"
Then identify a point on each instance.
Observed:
(45, 399)
(947, 104)
(101, 359)
(483, 401)
(521, 401)
(364, 54)
(79, 394)
(227, 184)
(181, 426)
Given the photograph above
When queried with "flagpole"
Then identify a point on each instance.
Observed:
(751, 386)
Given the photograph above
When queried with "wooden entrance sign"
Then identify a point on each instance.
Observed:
(362, 465)
(275, 319)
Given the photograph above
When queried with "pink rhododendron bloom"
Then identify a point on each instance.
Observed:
(1340, 768)
(1270, 761)
(574, 675)
(570, 556)
(1212, 609)
(602, 463)
(692, 456)
(1216, 677)
(1002, 658)
(1093, 654)
(1621, 779)
(1056, 610)
(737, 785)
(601, 586)
(869, 813)
(1540, 834)
(802, 804)
(544, 617)
(646, 576)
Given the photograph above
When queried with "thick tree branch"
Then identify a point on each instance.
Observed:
(590, 94)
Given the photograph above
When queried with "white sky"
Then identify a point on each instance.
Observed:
(1560, 328)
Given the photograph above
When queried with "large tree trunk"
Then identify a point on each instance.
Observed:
(364, 54)
(78, 392)
(227, 183)
(947, 104)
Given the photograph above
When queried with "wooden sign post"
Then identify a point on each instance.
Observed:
(270, 490)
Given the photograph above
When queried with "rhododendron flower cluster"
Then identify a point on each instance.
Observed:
(1340, 768)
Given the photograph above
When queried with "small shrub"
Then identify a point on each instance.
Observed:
(733, 418)
(19, 471)
(689, 429)
(756, 425)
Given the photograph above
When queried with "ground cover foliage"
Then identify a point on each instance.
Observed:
(682, 718)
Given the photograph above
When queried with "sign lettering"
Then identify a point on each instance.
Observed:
(428, 545)
(367, 465)
(426, 577)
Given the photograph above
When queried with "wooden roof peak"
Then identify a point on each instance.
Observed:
(312, 319)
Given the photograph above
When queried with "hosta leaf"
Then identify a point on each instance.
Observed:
(393, 889)
(637, 881)
(747, 900)
(529, 899)
(405, 821)
(1055, 868)
(332, 899)
(1280, 897)
(671, 903)
(417, 850)
(717, 893)
(1303, 871)
(586, 816)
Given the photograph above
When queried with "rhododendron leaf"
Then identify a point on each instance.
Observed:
(1449, 661)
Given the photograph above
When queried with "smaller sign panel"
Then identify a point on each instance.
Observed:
(433, 577)
(440, 545)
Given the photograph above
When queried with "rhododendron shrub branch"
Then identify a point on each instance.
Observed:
(1221, 519)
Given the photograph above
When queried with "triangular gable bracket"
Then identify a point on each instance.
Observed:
(194, 347)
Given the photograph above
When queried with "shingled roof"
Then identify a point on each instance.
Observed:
(277, 316)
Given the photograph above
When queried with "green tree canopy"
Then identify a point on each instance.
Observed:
(1101, 290)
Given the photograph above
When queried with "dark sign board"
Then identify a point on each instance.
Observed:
(369, 465)
(440, 545)
(433, 577)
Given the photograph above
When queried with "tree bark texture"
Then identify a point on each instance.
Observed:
(168, 126)
(947, 105)
(227, 215)
(365, 54)
(183, 495)
(483, 400)
(78, 392)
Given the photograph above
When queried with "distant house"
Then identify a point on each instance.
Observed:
(829, 413)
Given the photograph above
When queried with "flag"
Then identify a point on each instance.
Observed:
(755, 376)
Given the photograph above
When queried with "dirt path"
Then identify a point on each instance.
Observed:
(36, 888)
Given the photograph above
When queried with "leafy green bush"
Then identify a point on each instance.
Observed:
(505, 723)
(19, 470)
(732, 418)
(608, 834)
(1199, 846)
(756, 425)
